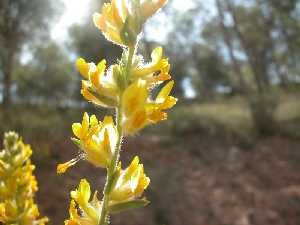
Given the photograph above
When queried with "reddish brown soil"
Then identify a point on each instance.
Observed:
(194, 181)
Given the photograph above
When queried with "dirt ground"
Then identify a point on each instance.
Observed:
(195, 180)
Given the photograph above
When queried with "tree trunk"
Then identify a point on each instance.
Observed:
(236, 67)
(259, 75)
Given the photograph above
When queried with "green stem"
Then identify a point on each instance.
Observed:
(129, 63)
(115, 158)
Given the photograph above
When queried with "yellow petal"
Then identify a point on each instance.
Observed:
(150, 7)
(76, 128)
(93, 121)
(157, 116)
(82, 194)
(108, 120)
(101, 66)
(135, 96)
(83, 67)
(156, 54)
(169, 102)
(85, 124)
(98, 21)
(119, 12)
(62, 168)
(165, 91)
(135, 122)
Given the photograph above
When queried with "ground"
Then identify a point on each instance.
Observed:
(195, 180)
(208, 165)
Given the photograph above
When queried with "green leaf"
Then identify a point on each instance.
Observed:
(112, 181)
(106, 100)
(76, 141)
(134, 204)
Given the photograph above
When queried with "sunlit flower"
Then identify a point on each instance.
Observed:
(98, 87)
(89, 210)
(130, 183)
(154, 72)
(121, 21)
(17, 184)
(96, 139)
(162, 102)
(139, 110)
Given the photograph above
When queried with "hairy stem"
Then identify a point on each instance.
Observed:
(115, 159)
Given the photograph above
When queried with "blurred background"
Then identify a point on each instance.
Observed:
(229, 153)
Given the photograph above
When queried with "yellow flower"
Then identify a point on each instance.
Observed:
(121, 21)
(90, 210)
(17, 184)
(158, 65)
(130, 183)
(98, 88)
(96, 139)
(139, 111)
(162, 102)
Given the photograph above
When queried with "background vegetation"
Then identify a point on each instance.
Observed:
(229, 152)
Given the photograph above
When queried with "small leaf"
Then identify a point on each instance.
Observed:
(134, 204)
(106, 100)
(111, 184)
(76, 141)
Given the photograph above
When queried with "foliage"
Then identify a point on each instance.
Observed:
(21, 21)
(46, 77)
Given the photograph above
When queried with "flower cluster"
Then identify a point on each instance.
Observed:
(125, 87)
(17, 184)
(121, 21)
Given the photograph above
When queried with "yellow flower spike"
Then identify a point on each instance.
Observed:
(96, 139)
(130, 184)
(18, 185)
(126, 87)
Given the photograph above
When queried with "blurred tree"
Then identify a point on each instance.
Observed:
(20, 21)
(281, 19)
(47, 78)
(228, 41)
(89, 43)
(211, 70)
(250, 29)
(180, 41)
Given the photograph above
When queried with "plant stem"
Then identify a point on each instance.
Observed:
(115, 158)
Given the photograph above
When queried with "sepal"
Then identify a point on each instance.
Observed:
(133, 204)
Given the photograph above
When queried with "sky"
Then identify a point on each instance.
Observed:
(75, 11)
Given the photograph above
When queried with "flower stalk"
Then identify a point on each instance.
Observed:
(114, 162)
(126, 88)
